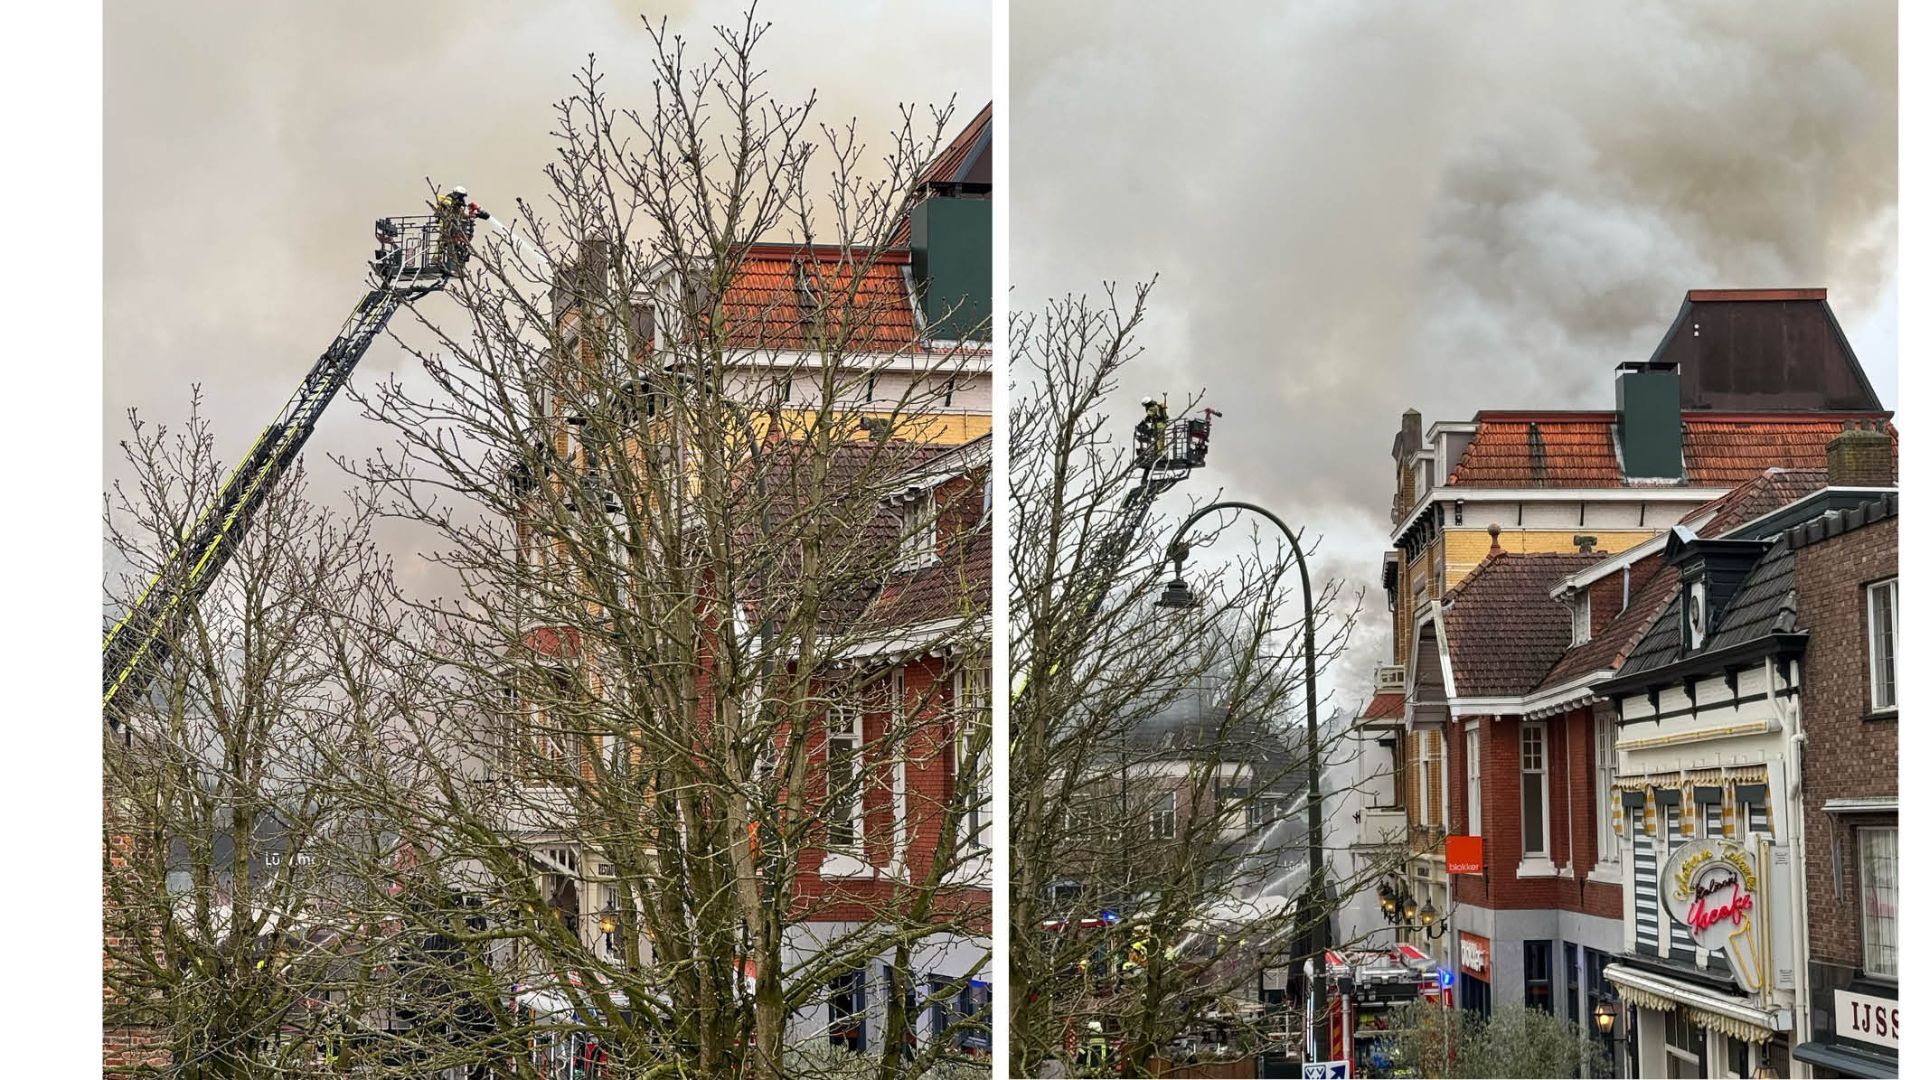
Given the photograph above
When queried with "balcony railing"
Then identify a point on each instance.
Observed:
(1383, 826)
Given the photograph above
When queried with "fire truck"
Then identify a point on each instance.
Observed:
(1363, 987)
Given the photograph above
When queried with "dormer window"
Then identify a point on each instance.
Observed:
(1582, 617)
(919, 531)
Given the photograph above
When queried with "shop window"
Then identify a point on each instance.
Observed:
(1533, 790)
(1573, 979)
(1879, 854)
(1539, 975)
(1596, 992)
(847, 1012)
(1686, 1047)
(1476, 996)
(1883, 633)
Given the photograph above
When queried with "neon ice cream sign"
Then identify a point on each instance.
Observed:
(1710, 887)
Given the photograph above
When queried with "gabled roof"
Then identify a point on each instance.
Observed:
(1504, 630)
(1577, 449)
(1654, 584)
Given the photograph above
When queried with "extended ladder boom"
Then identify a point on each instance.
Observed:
(413, 258)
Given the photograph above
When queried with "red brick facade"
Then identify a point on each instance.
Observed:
(1849, 755)
(1571, 805)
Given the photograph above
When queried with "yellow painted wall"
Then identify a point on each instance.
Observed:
(1466, 548)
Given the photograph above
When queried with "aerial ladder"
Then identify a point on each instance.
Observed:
(413, 256)
(1165, 452)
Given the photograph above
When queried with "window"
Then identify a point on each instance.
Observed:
(919, 532)
(1264, 811)
(1604, 768)
(1162, 823)
(1582, 617)
(1596, 992)
(1883, 641)
(845, 807)
(1879, 851)
(1539, 975)
(1473, 782)
(1573, 980)
(846, 1012)
(970, 759)
(1533, 790)
(1686, 1046)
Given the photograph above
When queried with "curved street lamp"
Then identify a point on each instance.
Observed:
(1178, 595)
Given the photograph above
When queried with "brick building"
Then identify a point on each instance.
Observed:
(1846, 571)
(1714, 806)
(1744, 381)
(899, 330)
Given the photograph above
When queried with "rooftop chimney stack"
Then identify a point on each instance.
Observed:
(1647, 396)
(1861, 456)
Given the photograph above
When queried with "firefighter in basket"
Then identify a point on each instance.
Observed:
(455, 214)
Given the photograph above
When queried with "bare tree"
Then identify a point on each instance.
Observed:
(1159, 763)
(228, 904)
(699, 741)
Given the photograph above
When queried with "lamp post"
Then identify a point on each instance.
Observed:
(1179, 595)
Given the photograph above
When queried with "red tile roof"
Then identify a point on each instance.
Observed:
(1576, 449)
(1654, 582)
(1385, 703)
(1503, 629)
(763, 305)
(946, 165)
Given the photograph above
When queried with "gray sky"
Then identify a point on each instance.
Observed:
(250, 146)
(1358, 208)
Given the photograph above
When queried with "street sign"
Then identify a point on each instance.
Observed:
(1324, 1070)
(1466, 854)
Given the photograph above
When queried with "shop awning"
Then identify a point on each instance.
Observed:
(1715, 1011)
(1846, 1060)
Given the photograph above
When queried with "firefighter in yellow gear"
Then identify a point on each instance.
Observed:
(455, 214)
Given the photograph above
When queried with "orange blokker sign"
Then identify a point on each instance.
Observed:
(1466, 854)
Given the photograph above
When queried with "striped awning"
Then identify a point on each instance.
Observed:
(1718, 1012)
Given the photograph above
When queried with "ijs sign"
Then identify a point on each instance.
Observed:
(1710, 888)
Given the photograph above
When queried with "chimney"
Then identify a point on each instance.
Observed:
(1647, 396)
(1409, 441)
(1860, 456)
(1493, 540)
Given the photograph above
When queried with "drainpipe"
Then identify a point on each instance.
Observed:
(1790, 718)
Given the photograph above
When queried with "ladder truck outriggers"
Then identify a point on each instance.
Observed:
(413, 256)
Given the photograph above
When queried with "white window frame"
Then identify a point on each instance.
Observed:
(920, 531)
(1877, 702)
(851, 740)
(1582, 617)
(1892, 834)
(971, 719)
(1606, 766)
(1542, 859)
(1163, 820)
(1473, 779)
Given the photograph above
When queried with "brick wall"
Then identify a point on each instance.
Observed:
(123, 1047)
(1848, 756)
(1569, 766)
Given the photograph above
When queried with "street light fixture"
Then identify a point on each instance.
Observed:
(1178, 593)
